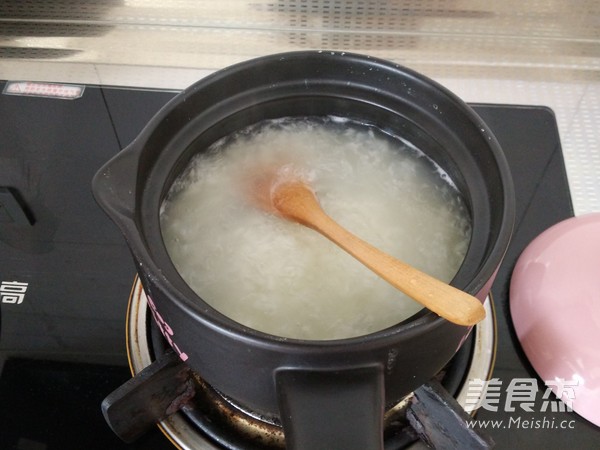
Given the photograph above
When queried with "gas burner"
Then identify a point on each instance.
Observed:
(213, 421)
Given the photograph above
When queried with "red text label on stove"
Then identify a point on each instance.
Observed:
(165, 329)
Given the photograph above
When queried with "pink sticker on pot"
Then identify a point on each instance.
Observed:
(165, 329)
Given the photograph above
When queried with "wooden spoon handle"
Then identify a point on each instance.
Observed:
(441, 298)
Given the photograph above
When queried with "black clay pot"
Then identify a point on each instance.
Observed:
(328, 394)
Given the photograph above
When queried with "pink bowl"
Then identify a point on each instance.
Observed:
(555, 308)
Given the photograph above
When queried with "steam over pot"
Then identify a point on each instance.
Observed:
(328, 394)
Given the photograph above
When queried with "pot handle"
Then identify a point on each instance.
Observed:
(331, 409)
(114, 185)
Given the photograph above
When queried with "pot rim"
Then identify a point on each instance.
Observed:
(422, 321)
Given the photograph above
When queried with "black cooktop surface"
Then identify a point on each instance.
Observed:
(66, 273)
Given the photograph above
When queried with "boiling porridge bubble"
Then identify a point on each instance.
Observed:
(284, 279)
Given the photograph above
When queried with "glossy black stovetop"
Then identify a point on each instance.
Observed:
(66, 273)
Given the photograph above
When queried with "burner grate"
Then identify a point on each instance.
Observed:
(213, 419)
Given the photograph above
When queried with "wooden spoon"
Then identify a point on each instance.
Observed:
(291, 198)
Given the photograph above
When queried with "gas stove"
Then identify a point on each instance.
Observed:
(67, 276)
